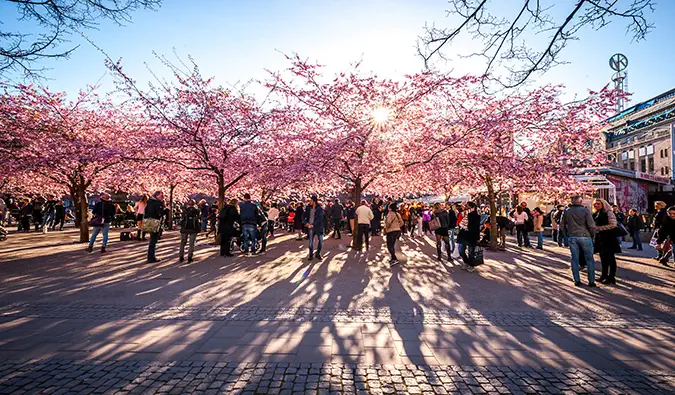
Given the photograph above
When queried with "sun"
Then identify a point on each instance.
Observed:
(381, 115)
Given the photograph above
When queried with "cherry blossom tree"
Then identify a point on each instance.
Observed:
(359, 131)
(66, 146)
(200, 127)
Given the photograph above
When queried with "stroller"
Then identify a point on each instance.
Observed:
(237, 242)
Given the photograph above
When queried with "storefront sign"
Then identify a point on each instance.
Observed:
(649, 177)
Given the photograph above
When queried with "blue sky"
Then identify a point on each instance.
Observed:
(237, 40)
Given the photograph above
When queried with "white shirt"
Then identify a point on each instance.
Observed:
(364, 215)
(273, 214)
(520, 219)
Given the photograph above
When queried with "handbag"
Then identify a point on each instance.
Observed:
(477, 257)
(97, 220)
(150, 225)
(434, 224)
(620, 231)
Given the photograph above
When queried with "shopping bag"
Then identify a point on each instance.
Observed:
(477, 257)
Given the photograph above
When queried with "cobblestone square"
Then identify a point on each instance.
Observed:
(73, 322)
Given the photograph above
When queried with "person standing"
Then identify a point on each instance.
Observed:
(59, 215)
(469, 233)
(106, 210)
(441, 233)
(272, 218)
(579, 227)
(606, 243)
(49, 213)
(376, 208)
(297, 219)
(314, 222)
(393, 223)
(364, 216)
(248, 213)
(140, 214)
(154, 210)
(666, 231)
(350, 213)
(190, 225)
(635, 225)
(521, 218)
(336, 214)
(557, 218)
(227, 217)
(657, 222)
(539, 227)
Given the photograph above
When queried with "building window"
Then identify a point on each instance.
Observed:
(650, 149)
(665, 154)
(632, 165)
(624, 155)
(643, 165)
(651, 164)
(661, 156)
(642, 151)
(631, 154)
(625, 165)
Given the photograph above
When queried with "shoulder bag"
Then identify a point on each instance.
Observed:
(97, 220)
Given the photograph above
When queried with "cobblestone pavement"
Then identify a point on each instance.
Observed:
(72, 322)
(294, 314)
(141, 377)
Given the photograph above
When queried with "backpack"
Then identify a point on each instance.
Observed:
(192, 220)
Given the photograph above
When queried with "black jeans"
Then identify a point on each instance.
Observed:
(608, 261)
(523, 236)
(363, 231)
(336, 228)
(152, 245)
(635, 235)
(225, 242)
(391, 242)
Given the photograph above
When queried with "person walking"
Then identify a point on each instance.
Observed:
(452, 224)
(579, 227)
(350, 214)
(248, 213)
(364, 215)
(441, 232)
(521, 218)
(538, 222)
(154, 212)
(635, 225)
(140, 214)
(59, 215)
(393, 223)
(314, 222)
(375, 223)
(469, 233)
(666, 232)
(204, 212)
(105, 210)
(606, 242)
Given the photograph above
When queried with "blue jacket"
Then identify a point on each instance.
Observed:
(317, 226)
(248, 213)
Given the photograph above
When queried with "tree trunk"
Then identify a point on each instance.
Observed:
(84, 211)
(357, 190)
(493, 212)
(170, 220)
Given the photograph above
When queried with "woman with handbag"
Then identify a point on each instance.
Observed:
(606, 242)
(440, 225)
(104, 213)
(392, 229)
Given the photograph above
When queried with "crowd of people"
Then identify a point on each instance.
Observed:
(463, 227)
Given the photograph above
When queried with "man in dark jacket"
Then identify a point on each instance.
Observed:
(248, 212)
(375, 224)
(154, 210)
(105, 209)
(190, 225)
(336, 213)
(227, 218)
(469, 234)
(635, 225)
(313, 220)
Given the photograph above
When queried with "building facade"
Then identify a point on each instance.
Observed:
(639, 143)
